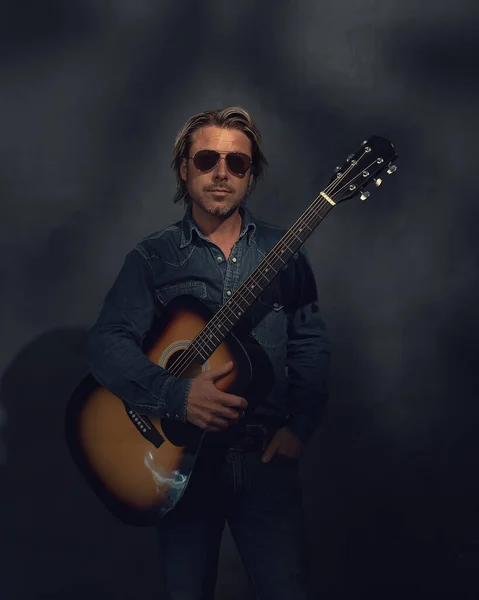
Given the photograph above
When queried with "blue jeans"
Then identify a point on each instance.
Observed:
(263, 508)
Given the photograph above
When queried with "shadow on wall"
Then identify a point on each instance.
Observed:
(446, 53)
(28, 26)
(50, 519)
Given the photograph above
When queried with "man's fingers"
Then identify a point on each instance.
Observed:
(270, 451)
(214, 374)
(216, 422)
(234, 401)
(232, 413)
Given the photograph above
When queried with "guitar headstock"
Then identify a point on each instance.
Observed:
(375, 156)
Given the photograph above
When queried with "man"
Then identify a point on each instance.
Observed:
(254, 485)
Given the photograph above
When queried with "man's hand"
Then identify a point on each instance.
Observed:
(283, 442)
(209, 408)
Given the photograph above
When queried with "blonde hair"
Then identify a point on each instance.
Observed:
(233, 117)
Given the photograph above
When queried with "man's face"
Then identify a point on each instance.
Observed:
(202, 187)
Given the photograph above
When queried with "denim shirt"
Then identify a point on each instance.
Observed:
(181, 260)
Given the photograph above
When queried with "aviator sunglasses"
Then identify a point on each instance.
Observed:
(237, 162)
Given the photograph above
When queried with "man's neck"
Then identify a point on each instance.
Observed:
(218, 230)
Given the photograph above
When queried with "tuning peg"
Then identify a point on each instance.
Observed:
(337, 169)
(392, 169)
(349, 157)
(365, 195)
(378, 182)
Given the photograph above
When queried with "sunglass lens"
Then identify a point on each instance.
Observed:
(238, 163)
(205, 160)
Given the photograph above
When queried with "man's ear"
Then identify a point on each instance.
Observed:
(184, 169)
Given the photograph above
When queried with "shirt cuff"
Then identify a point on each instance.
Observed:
(174, 397)
(301, 426)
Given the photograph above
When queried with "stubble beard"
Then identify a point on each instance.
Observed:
(222, 212)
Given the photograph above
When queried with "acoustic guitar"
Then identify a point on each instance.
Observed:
(139, 466)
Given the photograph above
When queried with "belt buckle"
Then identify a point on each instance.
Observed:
(258, 430)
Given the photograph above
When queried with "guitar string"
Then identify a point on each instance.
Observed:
(200, 341)
(205, 335)
(204, 339)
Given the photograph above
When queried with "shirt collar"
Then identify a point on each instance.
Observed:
(188, 225)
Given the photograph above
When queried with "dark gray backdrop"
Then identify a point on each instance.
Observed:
(92, 95)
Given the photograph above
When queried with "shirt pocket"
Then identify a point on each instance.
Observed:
(187, 288)
(270, 323)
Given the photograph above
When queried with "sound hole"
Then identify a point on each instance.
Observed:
(183, 366)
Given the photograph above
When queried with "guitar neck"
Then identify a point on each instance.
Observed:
(350, 179)
(241, 301)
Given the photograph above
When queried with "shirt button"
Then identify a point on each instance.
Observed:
(219, 259)
(234, 259)
(229, 292)
(276, 305)
(168, 415)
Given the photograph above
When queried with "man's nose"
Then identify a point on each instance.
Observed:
(221, 169)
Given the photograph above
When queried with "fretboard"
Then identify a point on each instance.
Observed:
(241, 301)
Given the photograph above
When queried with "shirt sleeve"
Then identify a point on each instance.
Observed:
(308, 354)
(115, 356)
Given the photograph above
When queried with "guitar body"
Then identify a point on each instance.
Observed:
(140, 466)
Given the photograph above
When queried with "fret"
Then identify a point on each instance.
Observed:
(250, 288)
(237, 307)
(303, 224)
(298, 238)
(286, 247)
(268, 266)
(210, 344)
(220, 324)
(232, 322)
(211, 334)
(264, 276)
(200, 354)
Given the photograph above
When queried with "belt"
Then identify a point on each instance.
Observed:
(245, 437)
(251, 437)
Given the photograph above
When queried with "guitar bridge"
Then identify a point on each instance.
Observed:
(145, 427)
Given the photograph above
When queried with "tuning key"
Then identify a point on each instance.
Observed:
(378, 182)
(365, 195)
(392, 169)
